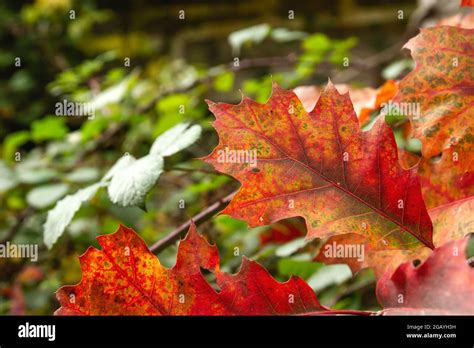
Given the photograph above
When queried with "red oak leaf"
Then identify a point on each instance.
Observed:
(125, 278)
(446, 180)
(365, 100)
(463, 20)
(283, 231)
(450, 222)
(319, 166)
(443, 284)
(440, 89)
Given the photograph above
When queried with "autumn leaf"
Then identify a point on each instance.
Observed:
(463, 20)
(467, 3)
(319, 166)
(445, 180)
(365, 100)
(283, 231)
(441, 87)
(443, 284)
(362, 98)
(450, 222)
(384, 94)
(125, 278)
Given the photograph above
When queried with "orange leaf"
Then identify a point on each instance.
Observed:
(452, 221)
(283, 231)
(319, 166)
(125, 278)
(385, 93)
(463, 20)
(441, 87)
(446, 180)
(363, 99)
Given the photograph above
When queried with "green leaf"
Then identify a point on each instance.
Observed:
(113, 94)
(7, 178)
(318, 42)
(12, 142)
(254, 34)
(395, 69)
(123, 162)
(93, 128)
(34, 175)
(291, 247)
(340, 49)
(413, 145)
(130, 185)
(61, 215)
(175, 139)
(49, 128)
(224, 82)
(285, 35)
(330, 275)
(170, 103)
(170, 112)
(21, 81)
(44, 196)
(300, 268)
(85, 174)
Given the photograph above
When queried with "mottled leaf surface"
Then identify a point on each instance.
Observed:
(444, 180)
(319, 166)
(451, 222)
(125, 278)
(443, 88)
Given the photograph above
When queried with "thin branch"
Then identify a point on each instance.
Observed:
(349, 290)
(340, 311)
(109, 134)
(244, 64)
(213, 72)
(367, 63)
(197, 219)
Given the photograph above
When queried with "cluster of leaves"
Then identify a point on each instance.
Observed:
(348, 185)
(327, 164)
(56, 181)
(125, 278)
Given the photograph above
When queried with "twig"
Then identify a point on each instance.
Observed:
(368, 63)
(351, 289)
(213, 72)
(340, 311)
(110, 133)
(197, 219)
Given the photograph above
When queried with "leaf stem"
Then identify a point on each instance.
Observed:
(340, 311)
